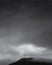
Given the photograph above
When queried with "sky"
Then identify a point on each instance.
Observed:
(25, 30)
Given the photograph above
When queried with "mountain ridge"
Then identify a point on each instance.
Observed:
(28, 61)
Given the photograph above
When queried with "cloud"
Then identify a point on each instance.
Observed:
(28, 49)
(15, 52)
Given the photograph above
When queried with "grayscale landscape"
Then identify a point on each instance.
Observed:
(25, 30)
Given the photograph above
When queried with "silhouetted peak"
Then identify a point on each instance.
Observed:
(22, 60)
(29, 61)
(25, 59)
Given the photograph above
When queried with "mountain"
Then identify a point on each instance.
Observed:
(28, 61)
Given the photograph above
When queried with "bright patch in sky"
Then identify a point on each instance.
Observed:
(15, 52)
(28, 49)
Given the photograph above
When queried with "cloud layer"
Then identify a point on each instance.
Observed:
(16, 52)
(28, 49)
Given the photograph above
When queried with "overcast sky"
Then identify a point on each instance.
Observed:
(25, 26)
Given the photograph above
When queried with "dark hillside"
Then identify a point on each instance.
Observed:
(29, 61)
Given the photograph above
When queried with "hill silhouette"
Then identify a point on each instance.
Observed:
(29, 61)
